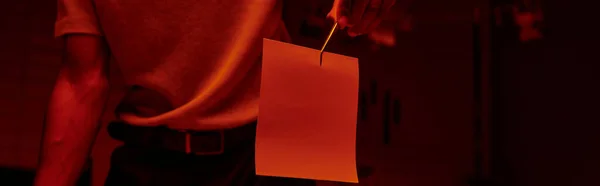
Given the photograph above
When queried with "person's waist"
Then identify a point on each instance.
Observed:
(200, 142)
(190, 121)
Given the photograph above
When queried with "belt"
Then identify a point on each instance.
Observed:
(214, 142)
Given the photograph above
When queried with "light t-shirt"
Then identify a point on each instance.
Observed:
(202, 57)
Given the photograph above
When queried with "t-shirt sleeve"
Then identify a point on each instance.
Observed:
(76, 17)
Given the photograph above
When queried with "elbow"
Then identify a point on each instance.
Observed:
(93, 82)
(84, 81)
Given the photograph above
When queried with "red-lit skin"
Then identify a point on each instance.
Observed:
(362, 16)
(74, 111)
(81, 90)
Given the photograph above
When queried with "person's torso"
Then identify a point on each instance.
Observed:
(195, 63)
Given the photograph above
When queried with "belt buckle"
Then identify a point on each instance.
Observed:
(188, 148)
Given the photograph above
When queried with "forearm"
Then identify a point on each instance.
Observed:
(72, 122)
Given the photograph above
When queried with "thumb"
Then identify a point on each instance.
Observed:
(339, 11)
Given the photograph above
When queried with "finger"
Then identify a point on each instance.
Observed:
(344, 12)
(357, 10)
(368, 16)
(339, 10)
(386, 6)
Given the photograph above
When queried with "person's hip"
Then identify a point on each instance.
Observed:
(213, 142)
(157, 156)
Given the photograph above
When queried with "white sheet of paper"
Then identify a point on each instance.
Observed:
(307, 118)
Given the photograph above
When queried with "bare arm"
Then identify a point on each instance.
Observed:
(74, 111)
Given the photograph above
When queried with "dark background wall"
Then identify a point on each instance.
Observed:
(545, 101)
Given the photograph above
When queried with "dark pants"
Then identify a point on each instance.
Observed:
(134, 165)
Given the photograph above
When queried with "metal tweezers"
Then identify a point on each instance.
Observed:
(325, 44)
